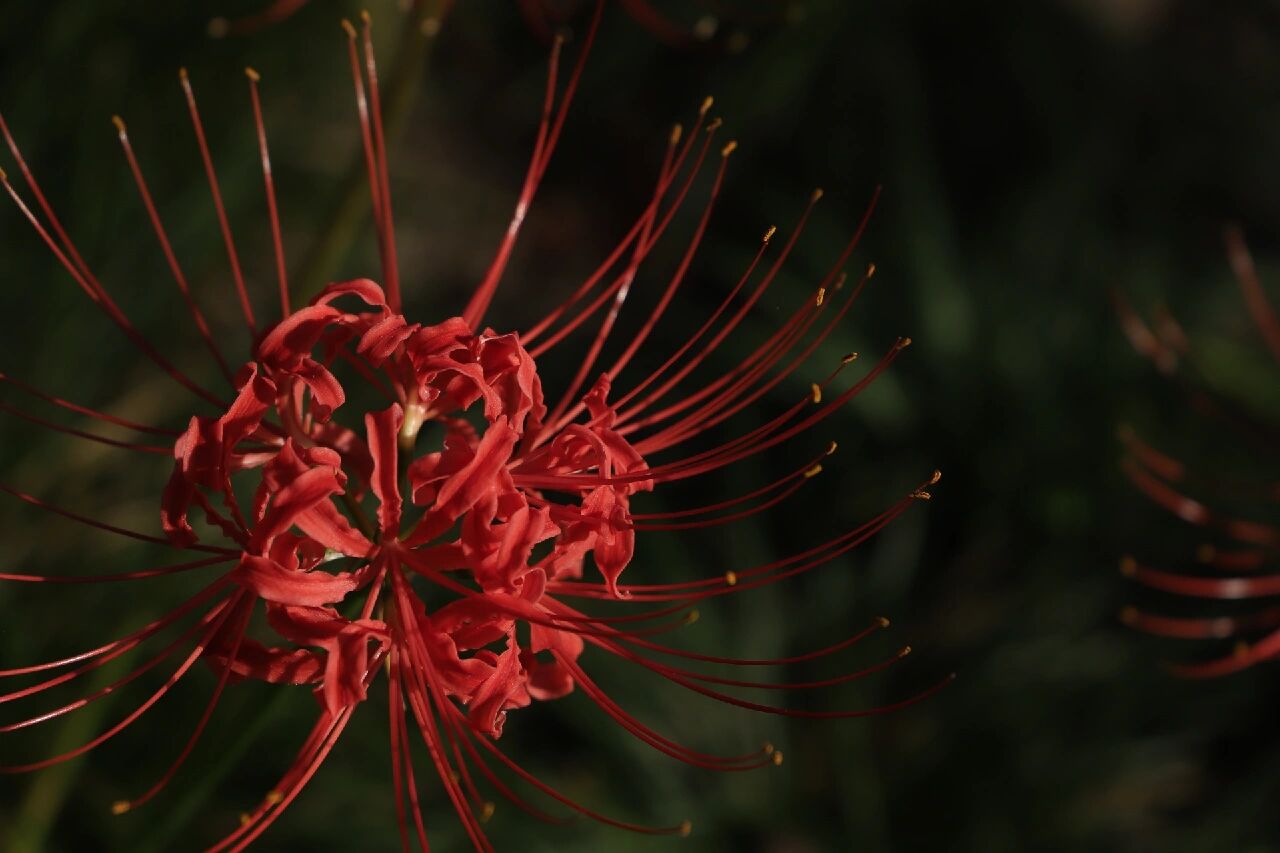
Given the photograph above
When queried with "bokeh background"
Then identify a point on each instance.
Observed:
(1034, 156)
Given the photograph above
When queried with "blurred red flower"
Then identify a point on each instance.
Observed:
(1239, 564)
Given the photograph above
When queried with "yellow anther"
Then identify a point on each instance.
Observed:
(882, 621)
(273, 797)
(119, 807)
(777, 758)
(182, 73)
(768, 748)
(706, 105)
(731, 578)
(937, 475)
(822, 294)
(365, 17)
(831, 448)
(487, 810)
(903, 343)
(349, 27)
(768, 235)
(714, 124)
(729, 148)
(813, 472)
(817, 194)
(686, 827)
(677, 131)
(245, 820)
(4, 176)
(853, 356)
(252, 74)
(691, 617)
(119, 123)
(871, 270)
(1128, 566)
(922, 495)
(815, 391)
(904, 651)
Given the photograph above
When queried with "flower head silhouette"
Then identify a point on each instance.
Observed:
(459, 533)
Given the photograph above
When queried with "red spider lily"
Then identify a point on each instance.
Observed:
(501, 513)
(1242, 565)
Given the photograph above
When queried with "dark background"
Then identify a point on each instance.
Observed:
(1033, 156)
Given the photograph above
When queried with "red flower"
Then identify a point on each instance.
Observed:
(1237, 567)
(520, 514)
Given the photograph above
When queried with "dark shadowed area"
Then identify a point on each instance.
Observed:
(1034, 157)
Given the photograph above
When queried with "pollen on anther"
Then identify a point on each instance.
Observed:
(777, 758)
(904, 343)
(813, 472)
(119, 123)
(349, 28)
(937, 475)
(486, 811)
(677, 131)
(245, 820)
(706, 105)
(731, 578)
(904, 651)
(365, 17)
(768, 748)
(871, 270)
(815, 391)
(849, 357)
(729, 148)
(252, 74)
(182, 73)
(686, 827)
(883, 621)
(119, 807)
(273, 797)
(768, 235)
(822, 294)
(691, 617)
(817, 194)
(831, 448)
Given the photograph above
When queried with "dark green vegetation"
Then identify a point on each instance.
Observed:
(1033, 156)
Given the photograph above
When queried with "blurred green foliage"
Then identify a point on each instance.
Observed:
(1033, 156)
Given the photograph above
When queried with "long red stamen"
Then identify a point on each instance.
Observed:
(196, 314)
(391, 270)
(273, 214)
(545, 146)
(233, 257)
